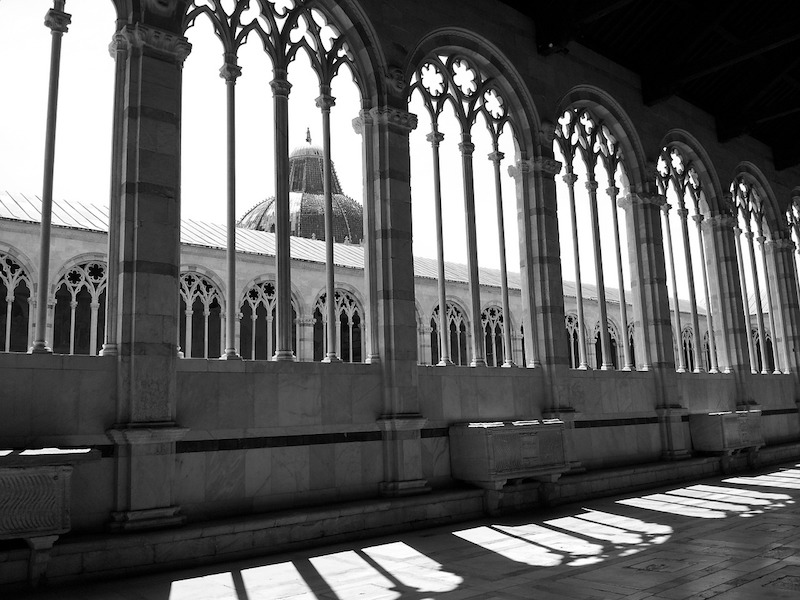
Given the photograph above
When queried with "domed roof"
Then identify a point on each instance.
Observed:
(307, 202)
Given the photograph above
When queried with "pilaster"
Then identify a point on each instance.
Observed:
(400, 422)
(726, 293)
(783, 283)
(149, 262)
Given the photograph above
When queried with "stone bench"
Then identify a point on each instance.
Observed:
(491, 454)
(35, 499)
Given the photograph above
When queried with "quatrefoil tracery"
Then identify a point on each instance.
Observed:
(441, 80)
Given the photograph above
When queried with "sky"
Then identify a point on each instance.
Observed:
(83, 141)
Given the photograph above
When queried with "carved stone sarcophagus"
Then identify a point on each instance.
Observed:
(726, 432)
(490, 454)
(34, 501)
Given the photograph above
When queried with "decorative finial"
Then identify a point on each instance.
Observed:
(308, 135)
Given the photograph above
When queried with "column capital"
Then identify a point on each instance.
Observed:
(749, 235)
(612, 191)
(145, 39)
(280, 85)
(230, 70)
(120, 43)
(466, 148)
(363, 118)
(644, 199)
(781, 244)
(496, 157)
(721, 221)
(591, 185)
(522, 167)
(546, 166)
(394, 117)
(683, 212)
(570, 178)
(698, 218)
(56, 19)
(435, 137)
(325, 101)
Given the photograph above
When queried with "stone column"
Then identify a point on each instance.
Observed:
(435, 138)
(783, 285)
(649, 280)
(604, 361)
(508, 361)
(230, 72)
(119, 52)
(283, 259)
(401, 421)
(720, 242)
(467, 148)
(145, 432)
(57, 20)
(363, 126)
(613, 191)
(665, 208)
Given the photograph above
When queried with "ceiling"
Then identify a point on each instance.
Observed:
(738, 60)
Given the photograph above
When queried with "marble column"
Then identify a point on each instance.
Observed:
(401, 421)
(467, 148)
(508, 356)
(779, 254)
(56, 20)
(720, 243)
(230, 72)
(363, 126)
(283, 259)
(149, 227)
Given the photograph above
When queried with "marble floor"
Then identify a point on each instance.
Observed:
(723, 538)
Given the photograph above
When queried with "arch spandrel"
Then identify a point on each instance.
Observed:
(608, 111)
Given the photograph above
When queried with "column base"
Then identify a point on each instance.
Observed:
(151, 518)
(230, 356)
(42, 348)
(109, 350)
(284, 356)
(405, 488)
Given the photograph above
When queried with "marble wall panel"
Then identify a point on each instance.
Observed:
(452, 408)
(235, 406)
(92, 494)
(299, 400)
(322, 466)
(198, 404)
(435, 458)
(55, 401)
(258, 472)
(367, 397)
(225, 475)
(337, 398)
(495, 397)
(190, 478)
(372, 462)
(290, 470)
(349, 464)
(265, 400)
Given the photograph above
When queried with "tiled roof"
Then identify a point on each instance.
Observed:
(78, 215)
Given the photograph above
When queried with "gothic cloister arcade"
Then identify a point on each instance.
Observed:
(526, 240)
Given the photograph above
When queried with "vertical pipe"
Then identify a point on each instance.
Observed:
(612, 192)
(57, 20)
(605, 342)
(283, 293)
(570, 178)
(678, 329)
(325, 102)
(435, 138)
(496, 157)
